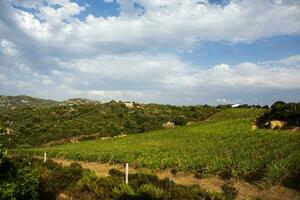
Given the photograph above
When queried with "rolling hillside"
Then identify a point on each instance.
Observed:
(238, 113)
(78, 119)
(22, 101)
(228, 146)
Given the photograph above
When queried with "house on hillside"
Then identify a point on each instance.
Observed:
(235, 105)
(129, 104)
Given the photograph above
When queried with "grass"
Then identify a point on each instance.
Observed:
(223, 143)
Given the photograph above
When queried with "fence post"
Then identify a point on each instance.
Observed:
(170, 188)
(45, 157)
(126, 173)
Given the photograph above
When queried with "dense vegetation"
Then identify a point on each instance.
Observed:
(228, 146)
(287, 112)
(36, 125)
(16, 182)
(27, 178)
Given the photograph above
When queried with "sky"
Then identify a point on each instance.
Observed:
(178, 52)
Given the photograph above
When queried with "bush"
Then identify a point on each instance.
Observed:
(121, 191)
(140, 179)
(151, 190)
(115, 172)
(288, 112)
(59, 178)
(180, 121)
(22, 186)
(16, 183)
(229, 191)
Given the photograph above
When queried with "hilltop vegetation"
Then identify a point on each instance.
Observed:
(226, 146)
(36, 125)
(287, 112)
(11, 102)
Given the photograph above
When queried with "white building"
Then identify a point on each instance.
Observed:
(235, 105)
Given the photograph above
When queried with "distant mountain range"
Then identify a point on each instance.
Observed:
(22, 101)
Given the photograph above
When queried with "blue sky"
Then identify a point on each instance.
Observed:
(163, 51)
(99, 8)
(274, 48)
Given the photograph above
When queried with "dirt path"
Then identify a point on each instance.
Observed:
(213, 184)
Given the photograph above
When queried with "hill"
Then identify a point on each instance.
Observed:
(238, 113)
(227, 147)
(82, 119)
(21, 101)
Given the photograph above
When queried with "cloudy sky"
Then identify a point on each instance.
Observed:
(163, 51)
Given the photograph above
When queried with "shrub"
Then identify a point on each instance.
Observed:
(123, 190)
(140, 179)
(23, 186)
(116, 172)
(153, 191)
(229, 191)
(16, 183)
(180, 120)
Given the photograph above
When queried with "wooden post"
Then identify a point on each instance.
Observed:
(170, 188)
(126, 173)
(45, 157)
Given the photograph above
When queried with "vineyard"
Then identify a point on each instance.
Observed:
(225, 143)
(238, 113)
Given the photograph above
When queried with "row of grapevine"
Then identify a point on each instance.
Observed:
(212, 146)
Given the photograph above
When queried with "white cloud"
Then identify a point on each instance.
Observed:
(60, 15)
(50, 53)
(160, 78)
(165, 24)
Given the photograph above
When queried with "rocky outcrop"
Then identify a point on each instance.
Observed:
(276, 124)
(169, 125)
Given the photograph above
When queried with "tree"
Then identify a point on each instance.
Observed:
(180, 120)
(278, 106)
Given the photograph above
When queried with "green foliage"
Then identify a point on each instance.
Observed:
(27, 183)
(288, 112)
(229, 191)
(283, 167)
(122, 190)
(115, 172)
(96, 187)
(180, 120)
(205, 148)
(89, 186)
(42, 124)
(17, 183)
(238, 113)
(7, 191)
(153, 191)
(57, 178)
(22, 101)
